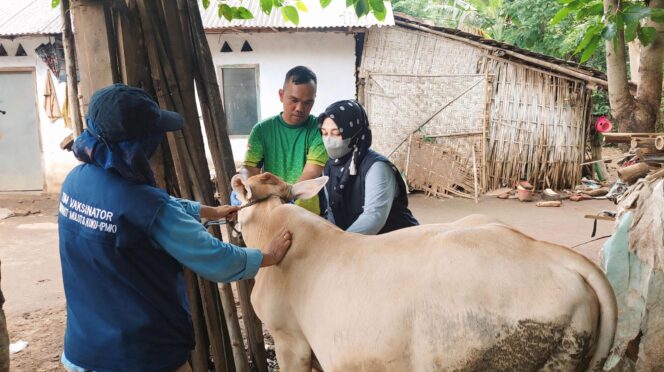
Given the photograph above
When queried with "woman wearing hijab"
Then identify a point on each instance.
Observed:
(365, 193)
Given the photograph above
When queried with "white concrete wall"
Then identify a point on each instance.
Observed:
(56, 163)
(331, 55)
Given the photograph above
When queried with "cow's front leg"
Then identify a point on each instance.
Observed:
(293, 352)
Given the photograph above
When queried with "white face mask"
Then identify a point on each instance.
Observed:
(336, 147)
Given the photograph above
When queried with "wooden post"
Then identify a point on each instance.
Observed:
(222, 156)
(70, 63)
(94, 61)
(633, 172)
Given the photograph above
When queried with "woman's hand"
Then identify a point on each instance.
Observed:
(277, 248)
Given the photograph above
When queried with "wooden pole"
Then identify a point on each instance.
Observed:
(94, 62)
(659, 143)
(633, 172)
(182, 56)
(70, 62)
(222, 156)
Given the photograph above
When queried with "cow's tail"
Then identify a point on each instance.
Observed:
(608, 307)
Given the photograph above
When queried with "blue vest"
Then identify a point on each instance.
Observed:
(350, 204)
(126, 303)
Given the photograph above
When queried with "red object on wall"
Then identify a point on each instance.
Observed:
(603, 124)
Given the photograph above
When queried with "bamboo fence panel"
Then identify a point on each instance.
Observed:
(536, 127)
(398, 104)
(445, 166)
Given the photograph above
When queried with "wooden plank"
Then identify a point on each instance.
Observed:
(94, 57)
(596, 217)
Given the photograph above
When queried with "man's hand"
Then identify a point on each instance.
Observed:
(277, 248)
(218, 213)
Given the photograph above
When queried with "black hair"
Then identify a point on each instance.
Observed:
(300, 75)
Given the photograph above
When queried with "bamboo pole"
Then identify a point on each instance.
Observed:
(222, 156)
(183, 60)
(69, 45)
(169, 97)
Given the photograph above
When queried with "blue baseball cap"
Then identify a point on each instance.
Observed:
(121, 112)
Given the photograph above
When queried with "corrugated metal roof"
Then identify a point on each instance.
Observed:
(336, 15)
(36, 17)
(29, 17)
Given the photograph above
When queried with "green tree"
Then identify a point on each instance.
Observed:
(614, 23)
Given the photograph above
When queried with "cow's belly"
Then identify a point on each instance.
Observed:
(453, 318)
(472, 341)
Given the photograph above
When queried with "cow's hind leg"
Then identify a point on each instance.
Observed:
(293, 353)
(573, 353)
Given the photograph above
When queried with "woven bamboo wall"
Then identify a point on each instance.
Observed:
(536, 126)
(534, 119)
(398, 105)
(401, 51)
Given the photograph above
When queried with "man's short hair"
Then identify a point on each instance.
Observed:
(300, 75)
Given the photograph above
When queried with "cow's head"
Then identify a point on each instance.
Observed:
(262, 193)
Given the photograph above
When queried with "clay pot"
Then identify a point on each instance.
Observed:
(524, 195)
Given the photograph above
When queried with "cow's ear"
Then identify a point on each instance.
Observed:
(309, 188)
(243, 192)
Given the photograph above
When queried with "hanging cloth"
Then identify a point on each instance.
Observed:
(51, 105)
(65, 110)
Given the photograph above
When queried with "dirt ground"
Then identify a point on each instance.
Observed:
(32, 282)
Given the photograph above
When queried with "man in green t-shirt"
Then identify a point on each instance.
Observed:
(289, 145)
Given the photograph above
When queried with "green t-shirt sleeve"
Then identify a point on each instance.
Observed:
(255, 151)
(316, 153)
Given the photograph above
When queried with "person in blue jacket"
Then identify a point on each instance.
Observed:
(123, 243)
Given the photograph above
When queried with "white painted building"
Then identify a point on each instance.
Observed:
(251, 68)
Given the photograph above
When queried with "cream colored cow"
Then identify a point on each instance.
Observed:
(473, 295)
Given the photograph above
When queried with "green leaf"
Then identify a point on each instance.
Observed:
(290, 13)
(377, 5)
(635, 12)
(206, 3)
(301, 6)
(361, 8)
(562, 13)
(325, 3)
(575, 5)
(647, 35)
(277, 4)
(379, 10)
(590, 50)
(244, 13)
(630, 31)
(351, 2)
(657, 15)
(225, 11)
(609, 31)
(266, 6)
(55, 3)
(587, 38)
(590, 11)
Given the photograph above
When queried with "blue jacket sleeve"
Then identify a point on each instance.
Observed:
(179, 233)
